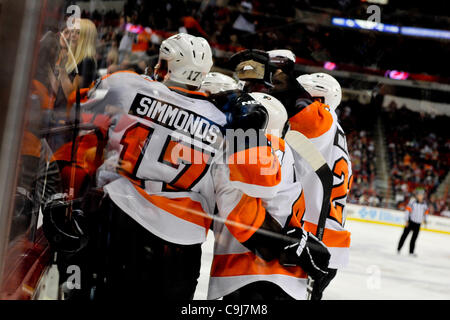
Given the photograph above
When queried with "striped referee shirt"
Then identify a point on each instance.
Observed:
(417, 211)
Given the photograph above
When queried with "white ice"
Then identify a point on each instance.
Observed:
(375, 270)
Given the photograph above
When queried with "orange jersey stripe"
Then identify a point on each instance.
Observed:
(257, 166)
(246, 218)
(312, 121)
(121, 71)
(331, 238)
(298, 210)
(174, 206)
(189, 91)
(243, 264)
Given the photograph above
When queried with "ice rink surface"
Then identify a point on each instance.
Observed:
(375, 270)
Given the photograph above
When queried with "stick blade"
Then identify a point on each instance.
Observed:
(304, 147)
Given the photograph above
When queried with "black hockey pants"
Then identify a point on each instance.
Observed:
(124, 261)
(415, 228)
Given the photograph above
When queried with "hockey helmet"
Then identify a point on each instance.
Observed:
(188, 58)
(283, 59)
(216, 82)
(323, 86)
(278, 123)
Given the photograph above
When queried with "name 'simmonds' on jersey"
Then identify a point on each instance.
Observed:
(175, 118)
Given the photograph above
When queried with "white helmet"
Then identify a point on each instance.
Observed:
(216, 82)
(281, 53)
(322, 85)
(188, 58)
(278, 123)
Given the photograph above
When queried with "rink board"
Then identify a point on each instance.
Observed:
(394, 218)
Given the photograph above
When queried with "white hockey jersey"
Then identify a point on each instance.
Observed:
(160, 150)
(318, 123)
(240, 216)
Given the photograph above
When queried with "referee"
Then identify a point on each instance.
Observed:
(417, 211)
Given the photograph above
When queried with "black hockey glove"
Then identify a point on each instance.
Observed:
(253, 65)
(306, 251)
(321, 283)
(65, 232)
(241, 110)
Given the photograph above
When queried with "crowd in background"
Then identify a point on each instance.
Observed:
(418, 154)
(248, 24)
(357, 121)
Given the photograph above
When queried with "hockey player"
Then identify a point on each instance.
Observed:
(164, 139)
(261, 252)
(161, 146)
(310, 109)
(318, 121)
(311, 101)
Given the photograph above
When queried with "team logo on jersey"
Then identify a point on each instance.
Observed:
(177, 119)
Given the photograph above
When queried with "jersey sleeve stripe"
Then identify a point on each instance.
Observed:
(246, 217)
(241, 264)
(256, 166)
(121, 71)
(313, 121)
(189, 91)
(176, 207)
(331, 238)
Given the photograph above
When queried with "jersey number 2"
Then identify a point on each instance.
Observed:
(339, 191)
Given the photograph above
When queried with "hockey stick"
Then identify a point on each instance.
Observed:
(73, 159)
(308, 151)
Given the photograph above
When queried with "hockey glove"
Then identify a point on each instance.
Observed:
(320, 284)
(65, 233)
(253, 65)
(306, 251)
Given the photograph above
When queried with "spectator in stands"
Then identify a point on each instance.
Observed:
(192, 26)
(77, 66)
